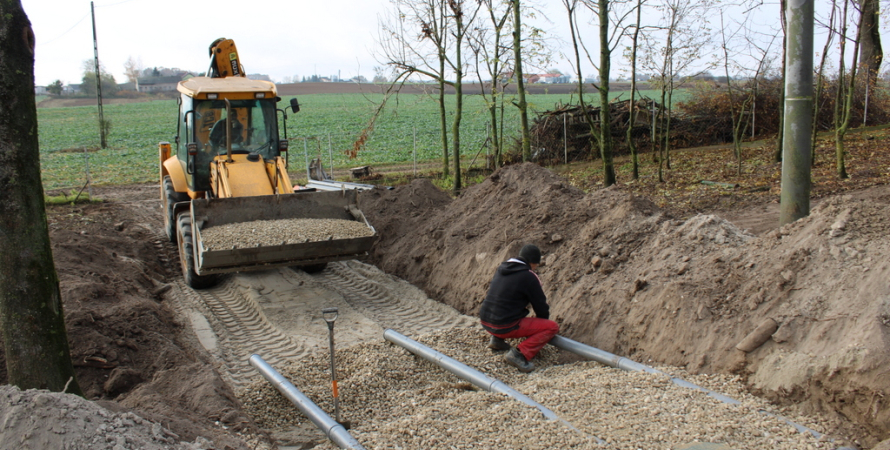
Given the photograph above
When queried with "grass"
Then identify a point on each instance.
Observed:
(69, 198)
(68, 143)
(326, 126)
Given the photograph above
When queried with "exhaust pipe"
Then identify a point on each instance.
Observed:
(620, 362)
(333, 430)
(471, 375)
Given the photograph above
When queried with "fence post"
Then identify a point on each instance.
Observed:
(306, 153)
(331, 154)
(865, 107)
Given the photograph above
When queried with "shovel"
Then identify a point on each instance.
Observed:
(330, 315)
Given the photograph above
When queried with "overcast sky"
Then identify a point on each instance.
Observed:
(277, 38)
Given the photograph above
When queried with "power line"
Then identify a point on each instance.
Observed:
(65, 32)
(81, 20)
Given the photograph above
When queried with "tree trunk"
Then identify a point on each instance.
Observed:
(817, 99)
(633, 89)
(458, 95)
(520, 83)
(605, 116)
(443, 123)
(777, 156)
(31, 316)
(870, 52)
(845, 101)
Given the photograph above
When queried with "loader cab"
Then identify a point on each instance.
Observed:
(203, 115)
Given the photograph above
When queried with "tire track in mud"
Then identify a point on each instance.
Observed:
(277, 313)
(242, 329)
(371, 291)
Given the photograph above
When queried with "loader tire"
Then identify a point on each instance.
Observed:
(171, 197)
(186, 256)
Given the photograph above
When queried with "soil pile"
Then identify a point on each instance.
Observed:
(129, 348)
(36, 419)
(626, 277)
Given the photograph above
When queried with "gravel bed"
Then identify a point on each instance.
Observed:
(398, 401)
(265, 233)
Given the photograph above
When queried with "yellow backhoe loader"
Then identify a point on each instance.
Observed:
(226, 166)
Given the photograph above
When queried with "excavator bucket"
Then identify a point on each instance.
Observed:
(217, 212)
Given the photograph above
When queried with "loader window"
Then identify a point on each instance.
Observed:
(254, 130)
(254, 127)
(184, 130)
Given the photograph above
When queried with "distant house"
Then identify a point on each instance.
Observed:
(158, 83)
(544, 78)
(552, 78)
(40, 90)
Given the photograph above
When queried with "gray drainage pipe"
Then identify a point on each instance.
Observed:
(333, 430)
(620, 362)
(470, 374)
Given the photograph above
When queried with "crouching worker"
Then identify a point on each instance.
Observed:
(503, 312)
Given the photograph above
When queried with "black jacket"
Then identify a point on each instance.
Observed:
(512, 289)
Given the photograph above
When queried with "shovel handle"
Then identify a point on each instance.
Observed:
(330, 314)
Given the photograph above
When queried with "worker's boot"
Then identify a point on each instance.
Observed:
(497, 344)
(515, 359)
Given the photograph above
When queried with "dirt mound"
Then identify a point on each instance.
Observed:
(626, 277)
(129, 349)
(35, 419)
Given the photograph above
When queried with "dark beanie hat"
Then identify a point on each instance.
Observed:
(530, 254)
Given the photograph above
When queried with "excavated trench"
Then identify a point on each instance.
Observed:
(393, 398)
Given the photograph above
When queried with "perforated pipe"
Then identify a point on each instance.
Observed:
(333, 430)
(471, 375)
(620, 362)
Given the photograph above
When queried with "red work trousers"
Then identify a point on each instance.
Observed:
(537, 332)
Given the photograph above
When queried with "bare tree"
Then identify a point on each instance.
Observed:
(780, 138)
(132, 69)
(413, 39)
(635, 39)
(600, 127)
(871, 53)
(674, 54)
(31, 316)
(489, 51)
(742, 99)
(845, 91)
(520, 82)
(88, 86)
(437, 51)
(820, 79)
(462, 23)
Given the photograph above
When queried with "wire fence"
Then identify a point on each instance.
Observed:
(412, 144)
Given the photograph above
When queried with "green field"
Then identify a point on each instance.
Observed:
(327, 125)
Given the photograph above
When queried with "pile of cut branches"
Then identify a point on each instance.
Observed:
(565, 132)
